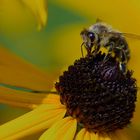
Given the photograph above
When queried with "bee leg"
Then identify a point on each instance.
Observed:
(88, 51)
(109, 47)
(122, 67)
(108, 54)
(95, 51)
(123, 62)
(82, 49)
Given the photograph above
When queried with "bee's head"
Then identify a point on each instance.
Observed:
(88, 37)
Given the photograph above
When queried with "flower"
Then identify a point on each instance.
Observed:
(39, 10)
(22, 13)
(49, 102)
(112, 13)
(87, 108)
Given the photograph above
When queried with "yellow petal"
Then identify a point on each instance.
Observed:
(83, 134)
(15, 71)
(39, 10)
(80, 135)
(87, 136)
(104, 138)
(123, 15)
(37, 120)
(94, 136)
(15, 18)
(64, 130)
(120, 135)
(26, 99)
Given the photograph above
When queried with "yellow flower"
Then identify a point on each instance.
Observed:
(121, 15)
(39, 10)
(21, 14)
(48, 114)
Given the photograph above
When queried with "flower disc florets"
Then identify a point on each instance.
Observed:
(98, 94)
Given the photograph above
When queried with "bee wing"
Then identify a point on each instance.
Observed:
(133, 36)
(127, 35)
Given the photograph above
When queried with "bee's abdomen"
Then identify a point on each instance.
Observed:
(125, 48)
(120, 45)
(127, 52)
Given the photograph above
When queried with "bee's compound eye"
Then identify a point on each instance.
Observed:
(91, 36)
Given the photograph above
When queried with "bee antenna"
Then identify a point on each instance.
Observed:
(98, 20)
(82, 49)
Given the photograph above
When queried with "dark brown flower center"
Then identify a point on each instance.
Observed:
(98, 94)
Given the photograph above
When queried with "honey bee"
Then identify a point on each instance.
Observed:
(103, 35)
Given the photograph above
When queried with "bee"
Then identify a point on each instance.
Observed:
(103, 35)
